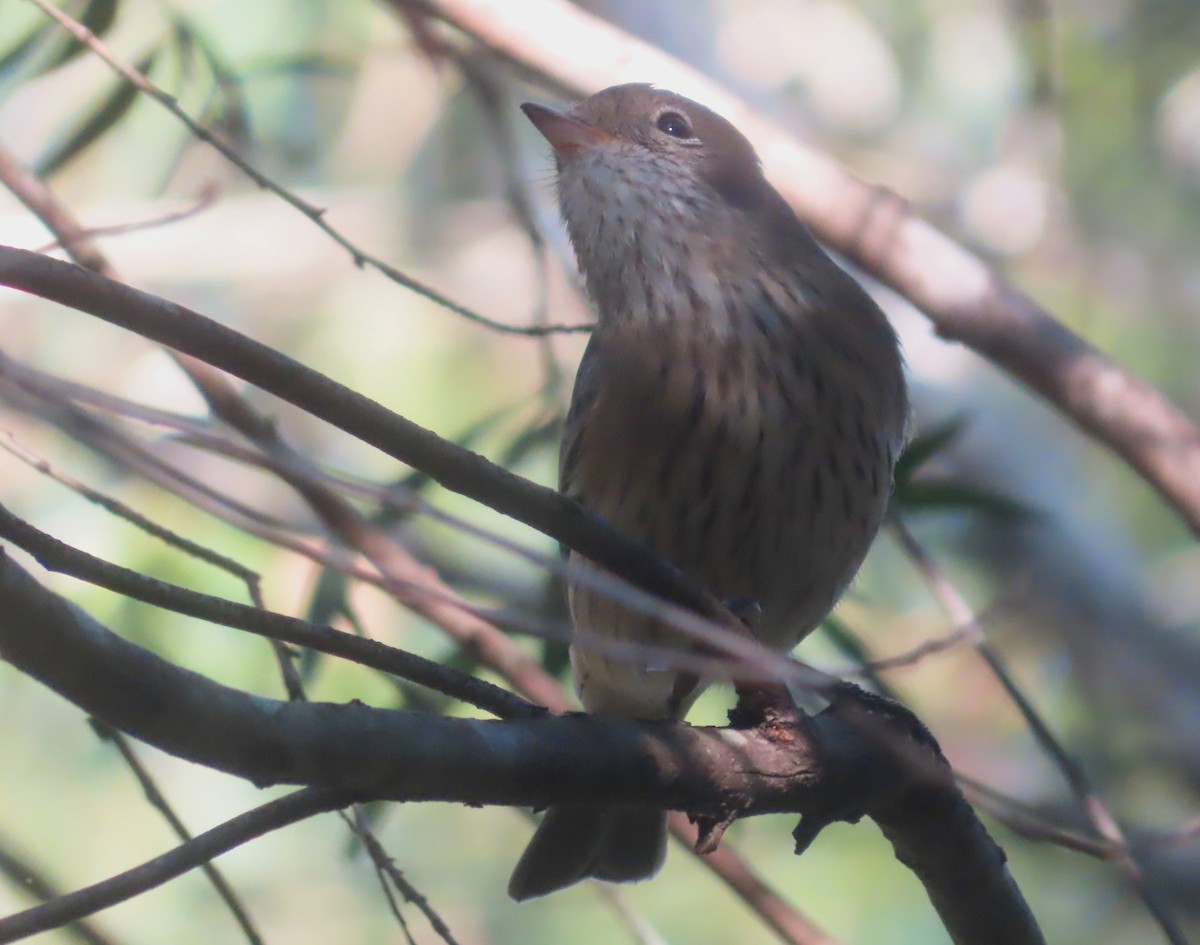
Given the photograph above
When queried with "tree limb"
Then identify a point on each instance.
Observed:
(823, 768)
(454, 467)
(967, 301)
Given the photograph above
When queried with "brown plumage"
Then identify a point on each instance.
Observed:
(739, 408)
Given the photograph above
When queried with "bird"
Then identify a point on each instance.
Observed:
(739, 408)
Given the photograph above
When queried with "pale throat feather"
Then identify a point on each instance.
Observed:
(633, 226)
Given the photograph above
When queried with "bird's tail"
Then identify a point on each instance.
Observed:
(618, 844)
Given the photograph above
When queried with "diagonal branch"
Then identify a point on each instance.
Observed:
(316, 214)
(454, 467)
(577, 54)
(57, 556)
(202, 849)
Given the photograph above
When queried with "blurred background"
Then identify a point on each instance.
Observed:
(1060, 139)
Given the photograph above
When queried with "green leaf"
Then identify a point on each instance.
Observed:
(851, 647)
(531, 439)
(927, 445)
(112, 108)
(328, 602)
(28, 44)
(328, 598)
(941, 495)
(555, 657)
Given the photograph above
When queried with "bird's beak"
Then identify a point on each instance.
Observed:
(567, 134)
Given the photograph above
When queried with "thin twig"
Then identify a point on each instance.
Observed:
(160, 803)
(57, 556)
(483, 81)
(959, 611)
(206, 198)
(115, 506)
(962, 633)
(1025, 821)
(387, 868)
(29, 879)
(314, 213)
(41, 201)
(287, 810)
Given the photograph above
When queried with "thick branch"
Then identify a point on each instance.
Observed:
(823, 768)
(964, 298)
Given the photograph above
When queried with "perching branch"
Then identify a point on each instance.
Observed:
(845, 762)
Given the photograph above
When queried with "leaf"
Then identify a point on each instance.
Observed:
(927, 445)
(851, 647)
(328, 602)
(328, 598)
(15, 57)
(941, 495)
(555, 657)
(112, 108)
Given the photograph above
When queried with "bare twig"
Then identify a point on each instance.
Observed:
(206, 198)
(248, 576)
(1025, 821)
(479, 69)
(316, 214)
(57, 556)
(389, 872)
(959, 611)
(29, 879)
(37, 196)
(290, 809)
(160, 803)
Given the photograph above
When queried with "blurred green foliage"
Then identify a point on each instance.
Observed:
(1059, 138)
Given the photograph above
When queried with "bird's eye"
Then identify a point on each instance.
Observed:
(675, 125)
